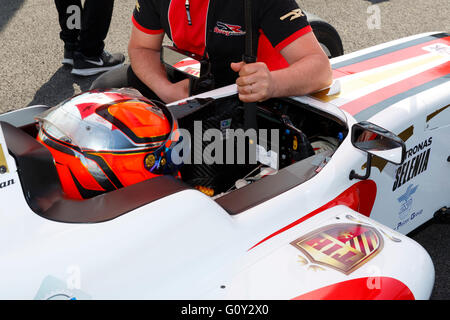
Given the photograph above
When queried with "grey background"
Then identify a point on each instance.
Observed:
(31, 70)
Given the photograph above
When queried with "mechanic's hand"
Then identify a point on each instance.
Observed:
(255, 82)
(176, 91)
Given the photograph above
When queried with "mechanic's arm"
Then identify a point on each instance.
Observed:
(309, 70)
(144, 51)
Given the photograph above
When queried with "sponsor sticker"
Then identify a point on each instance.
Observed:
(344, 247)
(406, 201)
(4, 184)
(439, 48)
(416, 163)
(3, 163)
(224, 126)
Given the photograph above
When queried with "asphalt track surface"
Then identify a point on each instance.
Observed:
(31, 71)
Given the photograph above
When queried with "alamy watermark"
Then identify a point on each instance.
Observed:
(374, 280)
(73, 280)
(229, 146)
(374, 19)
(74, 19)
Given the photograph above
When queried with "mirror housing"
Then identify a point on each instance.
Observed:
(192, 66)
(376, 141)
(379, 142)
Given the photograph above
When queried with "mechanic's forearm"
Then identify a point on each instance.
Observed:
(148, 68)
(305, 76)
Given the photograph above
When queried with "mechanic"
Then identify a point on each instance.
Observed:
(290, 59)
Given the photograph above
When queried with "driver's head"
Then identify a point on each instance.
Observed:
(105, 140)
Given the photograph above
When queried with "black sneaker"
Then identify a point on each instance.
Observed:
(69, 50)
(68, 57)
(88, 66)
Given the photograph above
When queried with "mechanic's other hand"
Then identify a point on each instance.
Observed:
(255, 82)
(176, 91)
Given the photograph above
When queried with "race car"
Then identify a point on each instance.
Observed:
(325, 223)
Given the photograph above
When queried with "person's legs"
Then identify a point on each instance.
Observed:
(69, 31)
(95, 22)
(92, 58)
(123, 77)
(116, 78)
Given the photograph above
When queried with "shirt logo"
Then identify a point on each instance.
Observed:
(228, 29)
(294, 14)
(138, 6)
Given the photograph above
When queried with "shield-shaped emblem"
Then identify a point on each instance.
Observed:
(344, 247)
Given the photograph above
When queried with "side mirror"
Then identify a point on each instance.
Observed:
(377, 141)
(191, 65)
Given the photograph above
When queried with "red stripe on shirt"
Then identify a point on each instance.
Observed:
(293, 37)
(145, 30)
(269, 55)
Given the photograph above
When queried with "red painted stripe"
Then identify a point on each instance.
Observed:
(370, 243)
(293, 37)
(376, 288)
(361, 244)
(359, 197)
(339, 74)
(397, 56)
(145, 30)
(382, 94)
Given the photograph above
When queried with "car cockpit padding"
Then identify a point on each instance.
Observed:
(44, 195)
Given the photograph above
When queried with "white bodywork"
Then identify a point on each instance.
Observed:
(186, 246)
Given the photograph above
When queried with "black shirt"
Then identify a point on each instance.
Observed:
(219, 26)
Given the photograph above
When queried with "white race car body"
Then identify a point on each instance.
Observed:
(326, 237)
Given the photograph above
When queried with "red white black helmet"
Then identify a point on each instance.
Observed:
(105, 140)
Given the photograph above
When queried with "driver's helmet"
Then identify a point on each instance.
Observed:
(105, 140)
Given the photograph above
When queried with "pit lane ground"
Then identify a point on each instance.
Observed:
(31, 71)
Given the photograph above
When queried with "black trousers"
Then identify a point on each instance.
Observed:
(89, 35)
(123, 77)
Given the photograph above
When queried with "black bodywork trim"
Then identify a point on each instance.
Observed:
(271, 186)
